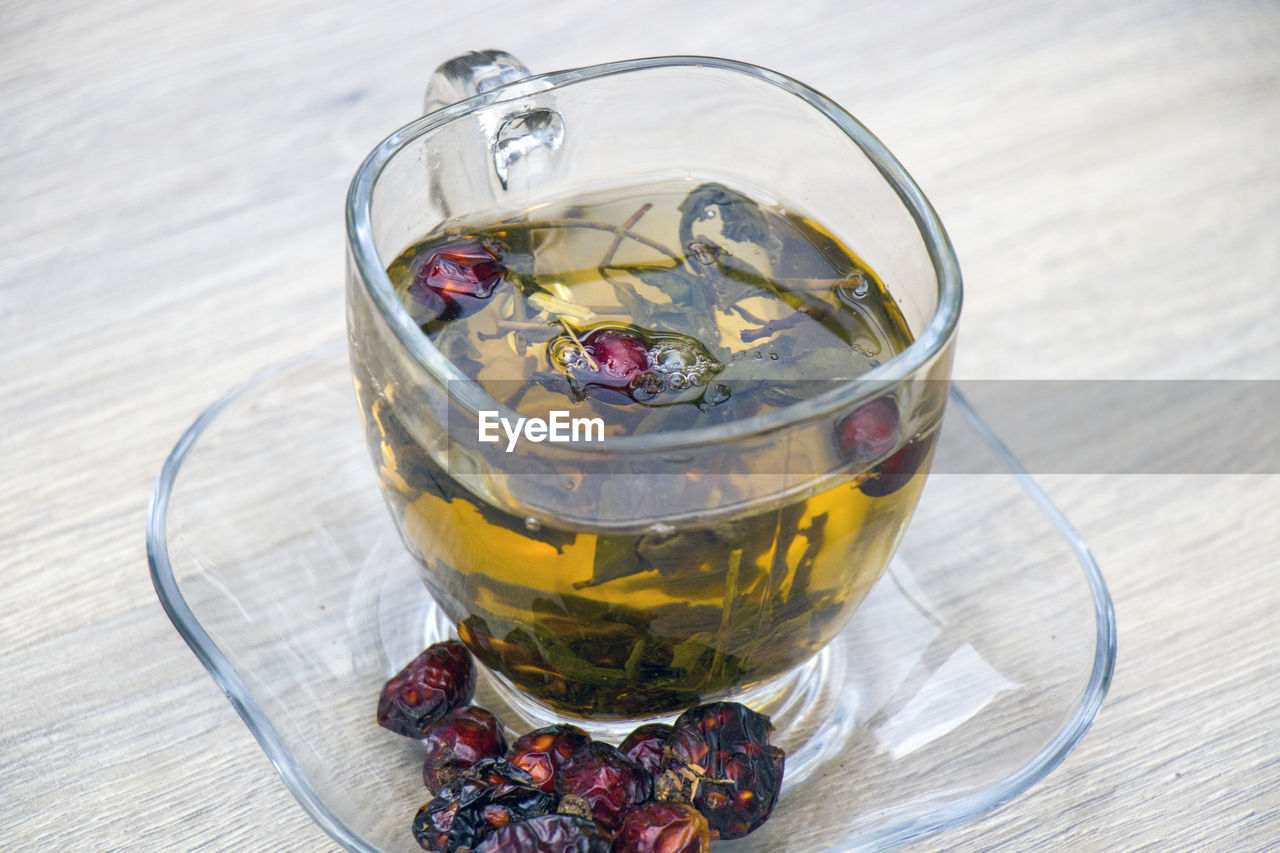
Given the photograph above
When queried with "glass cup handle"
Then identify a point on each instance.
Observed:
(524, 139)
(470, 74)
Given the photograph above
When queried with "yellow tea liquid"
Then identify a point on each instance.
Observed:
(655, 309)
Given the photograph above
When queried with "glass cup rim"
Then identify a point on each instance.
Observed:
(940, 330)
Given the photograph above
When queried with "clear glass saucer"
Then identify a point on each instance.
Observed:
(972, 669)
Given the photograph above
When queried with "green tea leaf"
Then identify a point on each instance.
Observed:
(694, 654)
(741, 219)
(808, 252)
(615, 558)
(561, 658)
(820, 310)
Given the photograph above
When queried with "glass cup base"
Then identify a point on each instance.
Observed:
(809, 706)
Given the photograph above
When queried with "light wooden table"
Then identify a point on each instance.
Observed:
(171, 221)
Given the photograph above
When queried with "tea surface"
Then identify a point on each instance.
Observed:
(735, 304)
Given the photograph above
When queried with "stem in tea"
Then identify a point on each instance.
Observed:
(591, 362)
(623, 231)
(551, 224)
(519, 326)
(725, 634)
(769, 328)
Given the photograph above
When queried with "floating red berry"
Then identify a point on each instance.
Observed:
(868, 432)
(896, 471)
(487, 797)
(663, 828)
(541, 752)
(457, 278)
(621, 364)
(467, 267)
(548, 834)
(722, 751)
(610, 782)
(458, 740)
(644, 745)
(620, 354)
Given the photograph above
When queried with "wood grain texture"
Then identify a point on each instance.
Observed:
(174, 174)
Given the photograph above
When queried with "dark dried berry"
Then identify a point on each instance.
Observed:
(868, 432)
(621, 356)
(489, 795)
(550, 834)
(464, 268)
(723, 749)
(610, 782)
(458, 740)
(435, 682)
(541, 752)
(496, 772)
(896, 471)
(455, 280)
(663, 828)
(644, 745)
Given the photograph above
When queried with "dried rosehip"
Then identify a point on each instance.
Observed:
(541, 752)
(496, 772)
(439, 679)
(621, 355)
(608, 359)
(629, 364)
(456, 279)
(644, 745)
(610, 782)
(723, 750)
(549, 834)
(458, 740)
(663, 828)
(488, 796)
(868, 432)
(896, 471)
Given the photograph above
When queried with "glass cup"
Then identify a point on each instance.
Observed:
(637, 576)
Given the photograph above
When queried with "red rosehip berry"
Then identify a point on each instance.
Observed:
(896, 471)
(621, 355)
(456, 279)
(868, 432)
(457, 741)
(547, 834)
(541, 752)
(436, 681)
(723, 750)
(663, 828)
(610, 782)
(490, 795)
(465, 268)
(644, 745)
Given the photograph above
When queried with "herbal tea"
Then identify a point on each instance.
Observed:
(651, 310)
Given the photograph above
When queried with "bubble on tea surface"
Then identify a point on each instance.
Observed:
(672, 358)
(853, 288)
(716, 394)
(660, 530)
